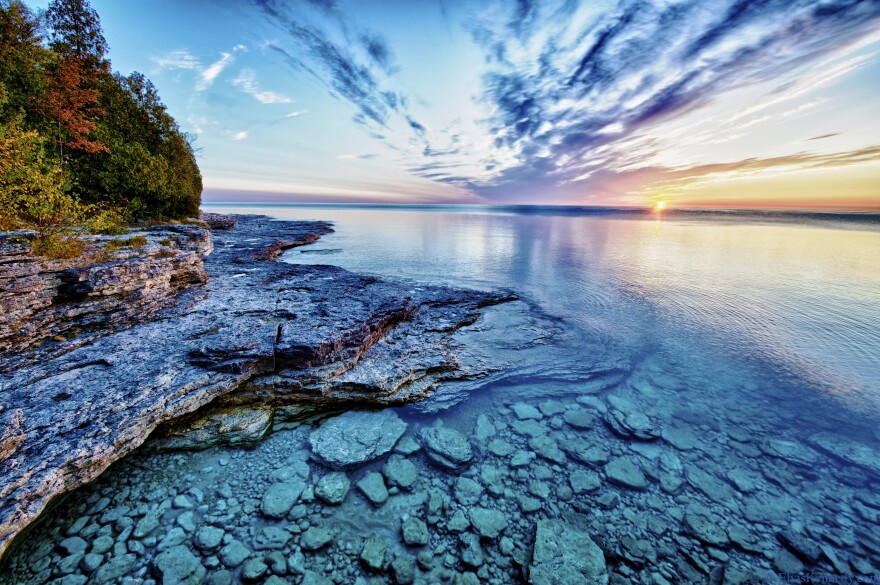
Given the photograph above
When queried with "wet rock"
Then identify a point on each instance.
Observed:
(280, 498)
(484, 429)
(547, 448)
(315, 538)
(681, 438)
(271, 538)
(373, 552)
(68, 564)
(521, 459)
(222, 577)
(708, 484)
(400, 472)
(414, 532)
(500, 447)
(102, 544)
(565, 555)
(333, 487)
(254, 569)
(528, 428)
(487, 522)
(73, 545)
(700, 523)
(403, 570)
(208, 538)
(631, 424)
(234, 554)
(373, 487)
(624, 472)
(584, 481)
(114, 569)
(313, 578)
(794, 452)
(785, 562)
(174, 537)
(524, 411)
(356, 437)
(178, 565)
(147, 524)
(467, 491)
(528, 504)
(407, 446)
(471, 551)
(492, 478)
(447, 448)
(851, 451)
(90, 562)
(800, 545)
(459, 522)
(579, 419)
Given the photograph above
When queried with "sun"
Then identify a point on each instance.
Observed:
(660, 205)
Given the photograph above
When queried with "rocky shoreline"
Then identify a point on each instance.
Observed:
(198, 348)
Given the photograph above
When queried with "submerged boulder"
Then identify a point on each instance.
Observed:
(447, 448)
(356, 437)
(565, 555)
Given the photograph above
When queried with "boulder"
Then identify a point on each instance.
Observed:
(565, 555)
(356, 437)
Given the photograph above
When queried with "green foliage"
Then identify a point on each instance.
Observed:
(81, 147)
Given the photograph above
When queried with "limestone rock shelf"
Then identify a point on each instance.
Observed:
(268, 338)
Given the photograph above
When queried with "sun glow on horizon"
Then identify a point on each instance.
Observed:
(660, 205)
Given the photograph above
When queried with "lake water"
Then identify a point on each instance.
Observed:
(703, 402)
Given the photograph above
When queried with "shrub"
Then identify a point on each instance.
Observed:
(58, 246)
(136, 242)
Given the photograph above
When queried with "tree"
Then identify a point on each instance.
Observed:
(76, 31)
(23, 59)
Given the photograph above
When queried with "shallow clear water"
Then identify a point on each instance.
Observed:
(751, 346)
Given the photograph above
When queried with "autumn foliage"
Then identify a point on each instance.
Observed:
(82, 148)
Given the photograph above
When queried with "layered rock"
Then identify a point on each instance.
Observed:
(111, 285)
(270, 338)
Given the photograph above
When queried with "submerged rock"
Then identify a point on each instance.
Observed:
(565, 555)
(373, 552)
(280, 498)
(400, 472)
(315, 538)
(447, 448)
(631, 424)
(333, 487)
(356, 437)
(178, 566)
(624, 472)
(373, 487)
(487, 522)
(414, 532)
(854, 452)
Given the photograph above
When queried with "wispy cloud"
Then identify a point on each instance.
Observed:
(180, 59)
(247, 82)
(210, 73)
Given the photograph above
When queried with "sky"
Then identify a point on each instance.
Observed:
(721, 103)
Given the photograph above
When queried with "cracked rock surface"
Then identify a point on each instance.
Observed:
(269, 339)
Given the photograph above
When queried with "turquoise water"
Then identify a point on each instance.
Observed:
(700, 394)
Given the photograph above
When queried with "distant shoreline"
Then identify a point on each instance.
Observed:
(851, 218)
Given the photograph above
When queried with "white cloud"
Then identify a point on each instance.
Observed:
(181, 59)
(295, 114)
(240, 135)
(209, 74)
(247, 82)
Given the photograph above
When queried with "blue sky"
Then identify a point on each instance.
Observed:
(720, 103)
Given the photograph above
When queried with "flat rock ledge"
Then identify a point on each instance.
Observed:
(254, 346)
